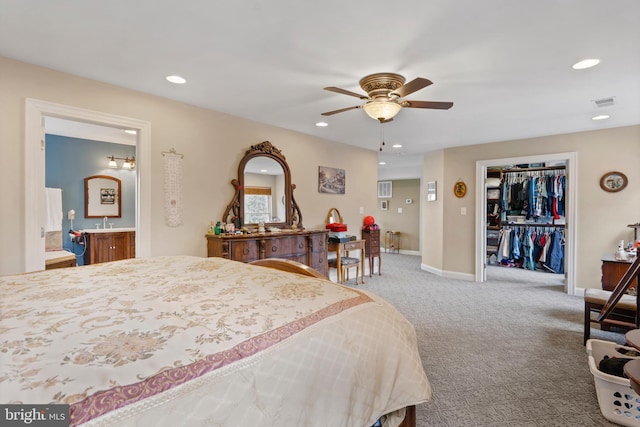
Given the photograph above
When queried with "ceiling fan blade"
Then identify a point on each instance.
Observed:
(428, 104)
(345, 92)
(330, 113)
(413, 86)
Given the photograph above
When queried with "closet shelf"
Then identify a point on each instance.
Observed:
(547, 168)
(532, 224)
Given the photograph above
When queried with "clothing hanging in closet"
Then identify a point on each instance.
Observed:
(533, 194)
(532, 248)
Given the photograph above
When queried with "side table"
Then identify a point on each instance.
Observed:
(372, 248)
(392, 242)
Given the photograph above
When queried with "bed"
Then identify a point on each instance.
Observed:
(189, 341)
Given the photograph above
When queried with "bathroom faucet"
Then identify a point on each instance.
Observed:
(104, 222)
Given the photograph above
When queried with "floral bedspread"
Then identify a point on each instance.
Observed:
(126, 336)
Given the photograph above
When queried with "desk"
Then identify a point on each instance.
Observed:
(353, 245)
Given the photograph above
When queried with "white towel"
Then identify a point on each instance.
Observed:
(53, 203)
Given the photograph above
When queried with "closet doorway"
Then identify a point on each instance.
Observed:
(496, 226)
(35, 113)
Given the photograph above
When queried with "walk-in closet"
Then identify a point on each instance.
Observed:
(526, 217)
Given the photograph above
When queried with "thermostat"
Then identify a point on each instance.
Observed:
(408, 201)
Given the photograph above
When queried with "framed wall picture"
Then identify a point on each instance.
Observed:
(460, 189)
(431, 191)
(331, 180)
(613, 181)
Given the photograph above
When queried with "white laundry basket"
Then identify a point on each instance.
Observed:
(618, 402)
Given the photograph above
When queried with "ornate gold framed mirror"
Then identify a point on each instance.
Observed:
(263, 191)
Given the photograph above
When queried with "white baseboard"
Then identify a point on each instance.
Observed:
(448, 274)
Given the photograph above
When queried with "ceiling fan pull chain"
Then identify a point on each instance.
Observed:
(381, 134)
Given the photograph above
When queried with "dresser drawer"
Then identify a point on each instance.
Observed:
(282, 247)
(353, 246)
(243, 251)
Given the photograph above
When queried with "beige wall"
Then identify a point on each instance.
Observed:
(407, 222)
(432, 216)
(212, 143)
(602, 217)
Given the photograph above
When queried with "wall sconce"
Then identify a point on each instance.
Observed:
(129, 163)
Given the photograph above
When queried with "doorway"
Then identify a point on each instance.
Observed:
(35, 113)
(570, 160)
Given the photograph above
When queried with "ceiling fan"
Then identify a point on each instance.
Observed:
(384, 91)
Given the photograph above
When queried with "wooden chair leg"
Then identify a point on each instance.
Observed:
(587, 322)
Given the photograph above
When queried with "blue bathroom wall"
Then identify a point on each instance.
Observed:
(68, 162)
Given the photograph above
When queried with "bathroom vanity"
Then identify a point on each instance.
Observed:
(104, 245)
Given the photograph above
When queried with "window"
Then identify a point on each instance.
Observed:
(257, 205)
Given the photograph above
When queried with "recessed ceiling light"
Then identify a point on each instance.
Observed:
(585, 63)
(322, 124)
(382, 163)
(263, 170)
(600, 117)
(131, 131)
(176, 79)
(397, 145)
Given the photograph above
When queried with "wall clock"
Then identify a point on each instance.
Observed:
(613, 181)
(460, 189)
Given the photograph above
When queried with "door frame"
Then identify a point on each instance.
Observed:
(34, 173)
(571, 203)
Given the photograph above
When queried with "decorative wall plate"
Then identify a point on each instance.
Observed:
(613, 181)
(460, 189)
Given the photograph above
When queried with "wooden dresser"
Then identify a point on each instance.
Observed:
(372, 248)
(110, 246)
(613, 270)
(308, 247)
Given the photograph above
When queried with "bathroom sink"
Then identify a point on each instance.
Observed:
(108, 230)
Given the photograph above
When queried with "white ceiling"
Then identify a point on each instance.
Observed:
(505, 64)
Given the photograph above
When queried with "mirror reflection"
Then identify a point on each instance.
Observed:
(334, 217)
(102, 197)
(264, 191)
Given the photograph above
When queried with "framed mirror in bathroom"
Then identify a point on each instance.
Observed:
(102, 197)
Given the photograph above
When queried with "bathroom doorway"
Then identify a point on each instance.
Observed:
(36, 113)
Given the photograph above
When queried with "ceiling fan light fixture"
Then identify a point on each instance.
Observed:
(381, 110)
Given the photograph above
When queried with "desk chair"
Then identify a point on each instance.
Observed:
(345, 264)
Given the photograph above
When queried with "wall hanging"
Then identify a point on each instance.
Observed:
(172, 187)
(613, 181)
(431, 191)
(331, 180)
(460, 189)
